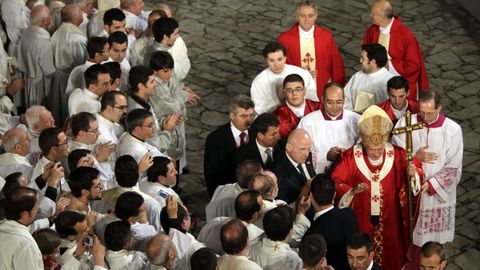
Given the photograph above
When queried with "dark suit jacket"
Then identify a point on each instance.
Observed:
(251, 151)
(290, 181)
(336, 226)
(376, 266)
(218, 162)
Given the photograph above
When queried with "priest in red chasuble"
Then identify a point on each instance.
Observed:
(313, 48)
(371, 178)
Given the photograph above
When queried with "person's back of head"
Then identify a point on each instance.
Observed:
(95, 45)
(48, 139)
(376, 52)
(432, 256)
(312, 251)
(323, 190)
(247, 206)
(161, 251)
(20, 203)
(65, 223)
(203, 259)
(245, 171)
(264, 184)
(47, 240)
(118, 235)
(278, 223)
(128, 205)
(234, 237)
(159, 168)
(126, 171)
(167, 223)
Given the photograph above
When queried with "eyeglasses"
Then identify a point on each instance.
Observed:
(123, 107)
(99, 186)
(332, 102)
(246, 116)
(294, 90)
(95, 131)
(105, 84)
(60, 144)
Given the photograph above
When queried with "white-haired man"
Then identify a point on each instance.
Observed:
(38, 118)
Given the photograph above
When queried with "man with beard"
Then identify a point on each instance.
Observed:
(85, 187)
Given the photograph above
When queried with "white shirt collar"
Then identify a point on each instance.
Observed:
(386, 30)
(399, 113)
(291, 160)
(306, 34)
(298, 111)
(90, 94)
(236, 133)
(370, 266)
(319, 213)
(262, 149)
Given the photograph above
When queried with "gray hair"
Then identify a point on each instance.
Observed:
(10, 139)
(240, 101)
(265, 184)
(160, 257)
(32, 115)
(39, 13)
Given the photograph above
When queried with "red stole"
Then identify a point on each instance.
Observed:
(387, 107)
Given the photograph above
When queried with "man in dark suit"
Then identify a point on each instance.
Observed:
(335, 225)
(264, 147)
(294, 166)
(222, 144)
(360, 252)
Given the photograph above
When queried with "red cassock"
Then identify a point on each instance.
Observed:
(390, 235)
(328, 62)
(288, 120)
(412, 107)
(406, 54)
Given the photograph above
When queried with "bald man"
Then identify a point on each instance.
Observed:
(294, 166)
(35, 58)
(404, 52)
(17, 146)
(161, 252)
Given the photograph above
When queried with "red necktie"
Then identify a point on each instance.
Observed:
(243, 138)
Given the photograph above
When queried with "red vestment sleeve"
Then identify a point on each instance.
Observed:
(343, 174)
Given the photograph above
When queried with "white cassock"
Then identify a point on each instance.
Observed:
(178, 52)
(186, 245)
(18, 250)
(83, 26)
(275, 255)
(107, 176)
(67, 259)
(222, 203)
(436, 219)
(83, 100)
(210, 233)
(158, 191)
(232, 262)
(129, 145)
(138, 50)
(135, 22)
(12, 163)
(69, 47)
(77, 79)
(109, 132)
(126, 260)
(16, 16)
(364, 90)
(141, 233)
(327, 132)
(300, 225)
(35, 61)
(6, 103)
(109, 199)
(267, 85)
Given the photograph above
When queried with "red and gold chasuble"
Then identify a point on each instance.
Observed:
(385, 198)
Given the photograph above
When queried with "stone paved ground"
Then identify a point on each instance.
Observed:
(225, 38)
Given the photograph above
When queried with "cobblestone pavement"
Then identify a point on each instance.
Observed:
(225, 38)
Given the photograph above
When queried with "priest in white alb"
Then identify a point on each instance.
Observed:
(333, 129)
(368, 86)
(17, 146)
(267, 87)
(35, 58)
(439, 145)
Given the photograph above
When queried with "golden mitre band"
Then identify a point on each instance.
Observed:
(374, 126)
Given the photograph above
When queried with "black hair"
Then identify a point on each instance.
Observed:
(398, 82)
(163, 26)
(312, 249)
(278, 222)
(128, 205)
(272, 47)
(203, 259)
(117, 234)
(323, 189)
(82, 178)
(91, 74)
(95, 45)
(136, 117)
(263, 122)
(293, 78)
(126, 171)
(75, 156)
(159, 168)
(161, 60)
(113, 14)
(65, 223)
(376, 52)
(360, 240)
(234, 237)
(20, 199)
(49, 138)
(138, 74)
(246, 204)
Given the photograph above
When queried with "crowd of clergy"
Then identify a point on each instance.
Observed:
(307, 174)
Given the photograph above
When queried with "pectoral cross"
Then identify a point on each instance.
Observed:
(275, 247)
(408, 129)
(307, 60)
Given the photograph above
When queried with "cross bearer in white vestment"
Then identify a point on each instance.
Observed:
(440, 146)
(368, 86)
